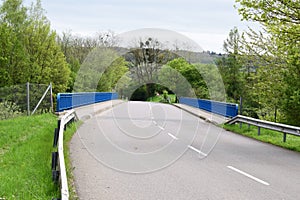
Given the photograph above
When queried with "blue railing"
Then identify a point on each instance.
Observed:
(67, 101)
(221, 108)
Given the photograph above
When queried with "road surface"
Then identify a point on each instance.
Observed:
(148, 151)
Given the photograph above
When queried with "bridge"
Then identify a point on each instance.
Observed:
(143, 150)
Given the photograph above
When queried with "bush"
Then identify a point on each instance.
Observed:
(9, 110)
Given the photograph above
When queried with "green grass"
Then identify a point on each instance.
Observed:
(160, 98)
(25, 157)
(268, 136)
(68, 134)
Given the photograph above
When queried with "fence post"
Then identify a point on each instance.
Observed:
(241, 105)
(28, 99)
(51, 97)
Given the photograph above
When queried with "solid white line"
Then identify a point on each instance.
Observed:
(172, 136)
(150, 107)
(197, 150)
(248, 175)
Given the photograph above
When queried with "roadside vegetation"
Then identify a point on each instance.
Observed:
(268, 136)
(68, 134)
(25, 157)
(163, 98)
(261, 67)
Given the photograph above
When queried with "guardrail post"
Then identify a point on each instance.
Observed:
(258, 131)
(58, 124)
(55, 139)
(249, 127)
(241, 125)
(284, 137)
(54, 160)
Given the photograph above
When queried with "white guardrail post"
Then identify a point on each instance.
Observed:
(59, 140)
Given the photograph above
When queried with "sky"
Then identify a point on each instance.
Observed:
(207, 22)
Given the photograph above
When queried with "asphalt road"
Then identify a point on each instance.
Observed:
(141, 150)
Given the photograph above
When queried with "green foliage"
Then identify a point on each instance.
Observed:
(9, 110)
(160, 99)
(96, 63)
(29, 49)
(184, 79)
(112, 75)
(279, 50)
(230, 67)
(213, 86)
(165, 94)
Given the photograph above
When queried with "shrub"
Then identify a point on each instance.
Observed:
(9, 110)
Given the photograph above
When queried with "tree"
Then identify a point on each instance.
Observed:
(112, 75)
(76, 49)
(184, 79)
(13, 17)
(29, 49)
(146, 61)
(281, 21)
(230, 66)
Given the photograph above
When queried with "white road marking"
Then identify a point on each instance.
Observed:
(154, 122)
(248, 175)
(162, 128)
(197, 150)
(150, 107)
(172, 136)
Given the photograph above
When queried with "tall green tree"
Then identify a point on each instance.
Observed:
(281, 21)
(13, 58)
(184, 79)
(30, 52)
(230, 66)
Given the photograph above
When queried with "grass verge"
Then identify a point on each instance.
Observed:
(68, 134)
(268, 136)
(25, 157)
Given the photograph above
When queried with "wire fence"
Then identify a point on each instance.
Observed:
(25, 99)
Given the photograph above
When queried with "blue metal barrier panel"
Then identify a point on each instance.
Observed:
(67, 101)
(220, 108)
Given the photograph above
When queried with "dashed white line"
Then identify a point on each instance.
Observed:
(172, 136)
(154, 122)
(197, 150)
(162, 128)
(248, 175)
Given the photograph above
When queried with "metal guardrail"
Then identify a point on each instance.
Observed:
(58, 161)
(285, 129)
(220, 108)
